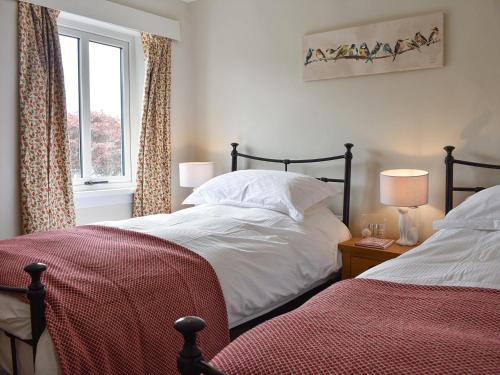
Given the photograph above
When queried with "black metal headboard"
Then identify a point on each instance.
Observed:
(347, 171)
(450, 188)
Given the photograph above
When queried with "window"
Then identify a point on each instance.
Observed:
(96, 73)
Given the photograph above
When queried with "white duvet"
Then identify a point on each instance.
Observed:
(262, 258)
(452, 257)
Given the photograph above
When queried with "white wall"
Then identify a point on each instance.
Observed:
(183, 149)
(248, 88)
(9, 196)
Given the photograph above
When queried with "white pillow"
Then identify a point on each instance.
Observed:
(286, 192)
(480, 211)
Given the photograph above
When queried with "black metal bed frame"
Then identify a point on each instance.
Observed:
(36, 297)
(450, 161)
(347, 156)
(190, 360)
(36, 290)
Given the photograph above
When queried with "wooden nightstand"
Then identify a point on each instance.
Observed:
(357, 259)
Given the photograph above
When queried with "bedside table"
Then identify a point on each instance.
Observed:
(357, 259)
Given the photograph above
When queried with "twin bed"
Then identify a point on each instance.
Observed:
(264, 261)
(406, 315)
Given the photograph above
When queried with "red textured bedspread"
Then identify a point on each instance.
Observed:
(373, 327)
(113, 295)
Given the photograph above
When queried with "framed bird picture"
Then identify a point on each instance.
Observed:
(392, 46)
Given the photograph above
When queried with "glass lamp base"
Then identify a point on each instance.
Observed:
(408, 231)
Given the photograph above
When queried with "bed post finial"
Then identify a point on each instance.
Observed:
(190, 356)
(449, 149)
(348, 146)
(36, 296)
(449, 160)
(35, 270)
(234, 157)
(347, 183)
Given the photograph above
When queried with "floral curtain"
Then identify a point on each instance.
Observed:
(153, 165)
(46, 189)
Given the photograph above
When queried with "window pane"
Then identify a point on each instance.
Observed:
(106, 110)
(71, 66)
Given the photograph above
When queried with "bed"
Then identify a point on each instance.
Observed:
(280, 262)
(434, 309)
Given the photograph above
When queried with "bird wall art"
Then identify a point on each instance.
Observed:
(404, 44)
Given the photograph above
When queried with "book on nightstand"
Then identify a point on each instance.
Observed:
(377, 243)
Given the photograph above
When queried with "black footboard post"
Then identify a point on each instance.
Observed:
(190, 360)
(347, 184)
(449, 160)
(234, 157)
(36, 296)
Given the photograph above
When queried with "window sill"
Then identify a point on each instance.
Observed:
(100, 198)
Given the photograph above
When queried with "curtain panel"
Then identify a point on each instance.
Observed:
(45, 177)
(154, 162)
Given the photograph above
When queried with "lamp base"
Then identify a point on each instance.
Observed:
(408, 231)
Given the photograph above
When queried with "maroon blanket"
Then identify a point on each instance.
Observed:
(113, 295)
(375, 327)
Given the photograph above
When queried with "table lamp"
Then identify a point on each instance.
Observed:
(194, 174)
(405, 188)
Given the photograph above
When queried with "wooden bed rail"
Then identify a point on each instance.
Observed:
(190, 360)
(36, 296)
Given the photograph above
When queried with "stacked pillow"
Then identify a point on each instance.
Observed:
(287, 192)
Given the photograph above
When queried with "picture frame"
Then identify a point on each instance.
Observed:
(404, 44)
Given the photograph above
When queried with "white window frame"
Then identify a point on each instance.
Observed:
(124, 40)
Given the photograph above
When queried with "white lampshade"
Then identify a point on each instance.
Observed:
(404, 187)
(196, 173)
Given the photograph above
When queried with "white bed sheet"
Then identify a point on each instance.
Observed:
(262, 258)
(451, 257)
